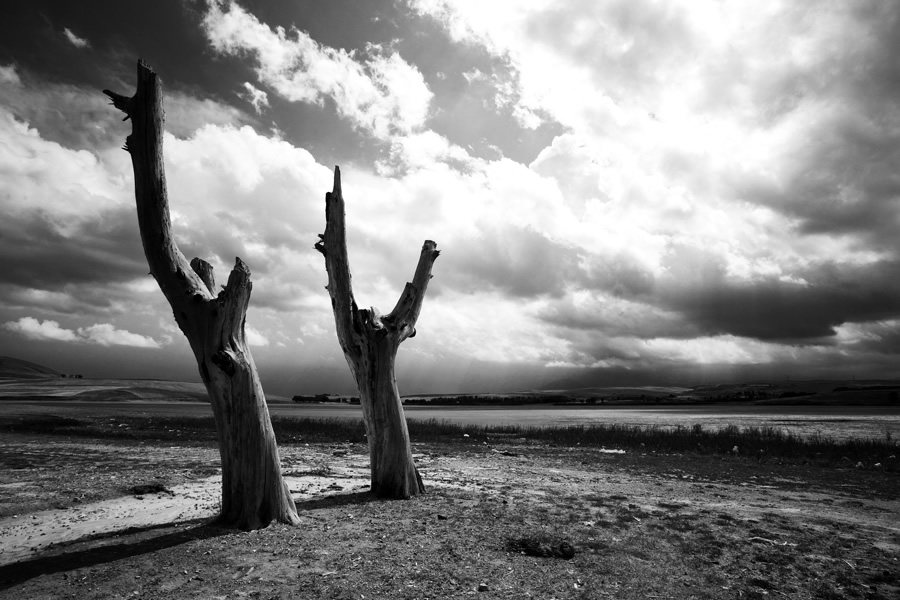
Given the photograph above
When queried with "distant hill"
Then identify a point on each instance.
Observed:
(16, 368)
(634, 391)
(51, 387)
(101, 390)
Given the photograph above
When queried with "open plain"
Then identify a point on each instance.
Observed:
(112, 512)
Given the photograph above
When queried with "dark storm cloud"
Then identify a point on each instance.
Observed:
(778, 311)
(845, 183)
(92, 268)
(882, 339)
(840, 176)
(619, 275)
(855, 188)
(587, 348)
(525, 263)
(774, 310)
(870, 72)
(81, 118)
(62, 113)
(695, 297)
(516, 261)
(61, 91)
(618, 319)
(37, 254)
(165, 34)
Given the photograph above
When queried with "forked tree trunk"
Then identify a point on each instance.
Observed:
(253, 490)
(370, 342)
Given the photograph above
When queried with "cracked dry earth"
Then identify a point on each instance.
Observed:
(77, 521)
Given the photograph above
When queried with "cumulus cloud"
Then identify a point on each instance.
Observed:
(185, 114)
(422, 150)
(9, 75)
(103, 334)
(75, 40)
(34, 329)
(254, 337)
(380, 93)
(258, 98)
(107, 335)
(726, 102)
(250, 196)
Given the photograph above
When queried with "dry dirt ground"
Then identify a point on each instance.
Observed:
(90, 519)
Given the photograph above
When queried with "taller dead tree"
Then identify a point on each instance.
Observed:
(253, 490)
(370, 342)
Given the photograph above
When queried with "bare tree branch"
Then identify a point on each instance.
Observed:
(370, 342)
(333, 245)
(253, 489)
(167, 264)
(409, 305)
(205, 271)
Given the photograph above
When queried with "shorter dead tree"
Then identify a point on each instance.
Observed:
(253, 490)
(370, 342)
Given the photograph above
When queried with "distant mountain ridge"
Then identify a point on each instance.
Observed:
(16, 368)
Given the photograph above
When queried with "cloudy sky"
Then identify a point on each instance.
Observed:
(624, 191)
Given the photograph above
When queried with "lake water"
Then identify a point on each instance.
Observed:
(839, 422)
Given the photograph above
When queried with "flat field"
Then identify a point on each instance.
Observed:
(117, 513)
(836, 422)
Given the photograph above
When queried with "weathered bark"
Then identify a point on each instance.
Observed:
(370, 342)
(253, 490)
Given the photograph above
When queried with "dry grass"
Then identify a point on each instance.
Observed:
(758, 443)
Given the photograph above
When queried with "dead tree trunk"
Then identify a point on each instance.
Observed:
(370, 341)
(253, 490)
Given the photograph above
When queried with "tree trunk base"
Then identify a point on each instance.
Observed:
(390, 488)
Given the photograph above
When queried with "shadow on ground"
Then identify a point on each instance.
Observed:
(143, 541)
(20, 572)
(336, 500)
